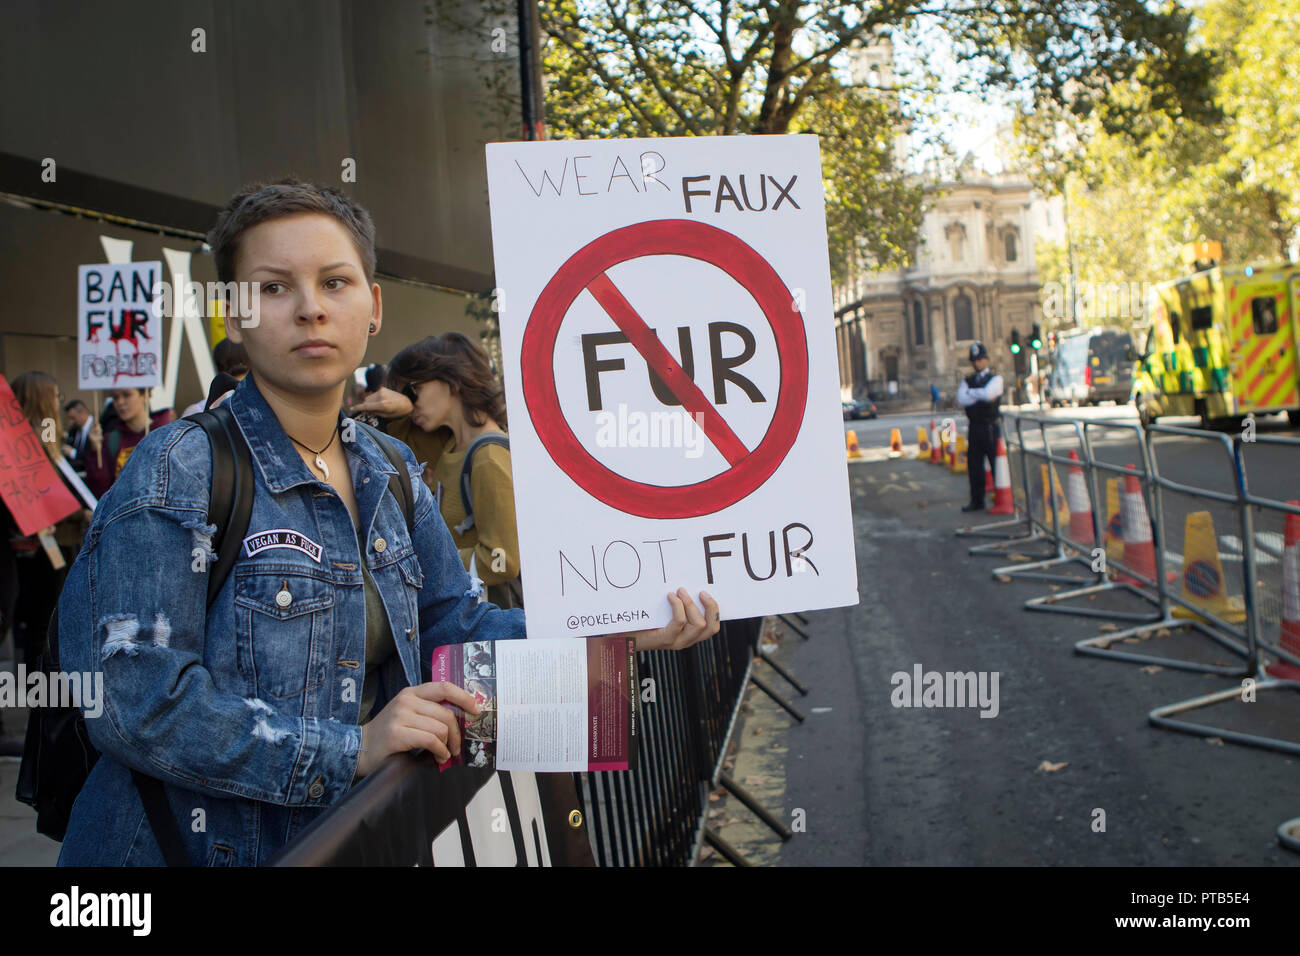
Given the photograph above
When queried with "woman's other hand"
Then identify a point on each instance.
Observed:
(688, 626)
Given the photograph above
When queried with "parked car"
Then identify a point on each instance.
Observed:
(856, 410)
(1091, 366)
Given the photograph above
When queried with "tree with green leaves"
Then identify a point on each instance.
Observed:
(691, 67)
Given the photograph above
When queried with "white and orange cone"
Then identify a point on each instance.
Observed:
(1139, 547)
(1076, 499)
(1003, 503)
(936, 445)
(1289, 637)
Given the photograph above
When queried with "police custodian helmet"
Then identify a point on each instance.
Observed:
(978, 351)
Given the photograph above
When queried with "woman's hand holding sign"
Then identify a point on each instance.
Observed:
(688, 626)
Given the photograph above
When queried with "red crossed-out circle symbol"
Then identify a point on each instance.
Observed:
(586, 269)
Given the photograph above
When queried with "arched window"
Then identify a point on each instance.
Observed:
(918, 322)
(1009, 241)
(963, 321)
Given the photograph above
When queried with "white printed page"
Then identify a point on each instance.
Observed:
(542, 705)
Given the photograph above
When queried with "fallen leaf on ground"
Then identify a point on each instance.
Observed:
(1048, 767)
(1132, 640)
(1017, 557)
(1151, 669)
(714, 798)
(1163, 632)
(1004, 578)
(1108, 627)
(754, 781)
(1216, 741)
(757, 731)
(1055, 587)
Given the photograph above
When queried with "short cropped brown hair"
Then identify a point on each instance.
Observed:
(456, 359)
(262, 202)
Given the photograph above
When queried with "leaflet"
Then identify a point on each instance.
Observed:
(546, 705)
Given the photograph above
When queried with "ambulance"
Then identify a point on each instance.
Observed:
(1222, 342)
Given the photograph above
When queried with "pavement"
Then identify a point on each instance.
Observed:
(20, 844)
(1068, 772)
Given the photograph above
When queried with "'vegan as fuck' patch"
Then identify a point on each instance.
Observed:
(281, 538)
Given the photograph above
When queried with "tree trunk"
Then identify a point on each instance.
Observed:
(771, 118)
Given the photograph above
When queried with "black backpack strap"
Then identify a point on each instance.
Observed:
(400, 483)
(230, 508)
(160, 818)
(491, 438)
(230, 502)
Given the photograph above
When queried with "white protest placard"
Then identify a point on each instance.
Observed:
(671, 375)
(119, 325)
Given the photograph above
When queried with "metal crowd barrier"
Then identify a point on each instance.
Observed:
(1027, 531)
(1198, 618)
(1068, 552)
(1126, 577)
(1220, 576)
(657, 814)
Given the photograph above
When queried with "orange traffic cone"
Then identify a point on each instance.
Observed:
(1076, 499)
(988, 481)
(1003, 503)
(1114, 536)
(922, 444)
(1203, 573)
(1139, 548)
(936, 445)
(851, 443)
(1290, 626)
(895, 443)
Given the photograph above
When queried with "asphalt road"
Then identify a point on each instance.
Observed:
(1070, 746)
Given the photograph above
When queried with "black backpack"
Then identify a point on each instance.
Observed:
(514, 586)
(57, 753)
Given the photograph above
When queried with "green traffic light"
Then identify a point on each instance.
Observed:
(1015, 349)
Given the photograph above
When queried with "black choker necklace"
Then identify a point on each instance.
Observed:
(320, 462)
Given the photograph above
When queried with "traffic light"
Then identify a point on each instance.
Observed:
(1015, 341)
(1036, 337)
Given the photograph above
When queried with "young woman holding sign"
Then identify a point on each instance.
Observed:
(310, 667)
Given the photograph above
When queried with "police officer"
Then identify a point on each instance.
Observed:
(979, 393)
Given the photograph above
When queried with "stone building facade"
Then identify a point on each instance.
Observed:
(973, 277)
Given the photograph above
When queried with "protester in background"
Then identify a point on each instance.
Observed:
(36, 581)
(80, 422)
(111, 447)
(934, 398)
(228, 358)
(980, 393)
(452, 392)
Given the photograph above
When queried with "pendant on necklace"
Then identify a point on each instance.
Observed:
(320, 463)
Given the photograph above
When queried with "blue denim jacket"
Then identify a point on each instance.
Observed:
(247, 712)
